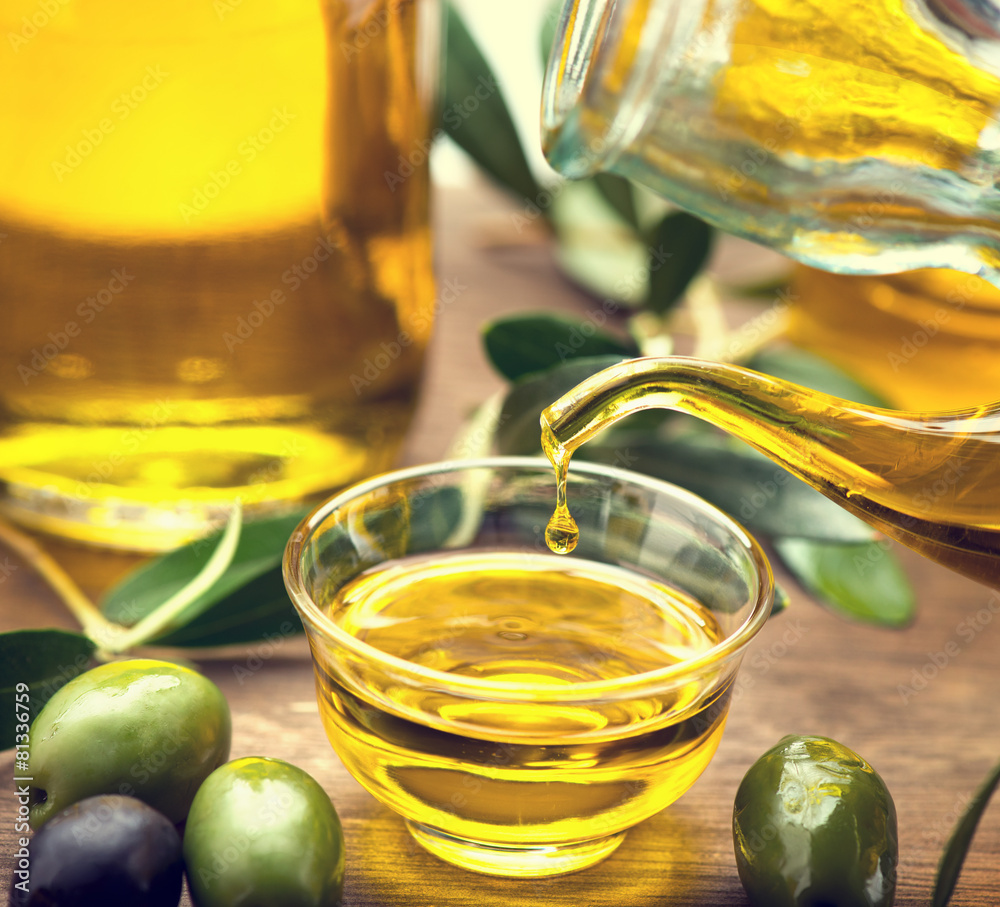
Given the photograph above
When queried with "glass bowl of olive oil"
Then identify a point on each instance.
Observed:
(520, 709)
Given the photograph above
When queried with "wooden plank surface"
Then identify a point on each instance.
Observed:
(918, 703)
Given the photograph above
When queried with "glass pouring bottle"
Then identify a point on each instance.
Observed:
(855, 135)
(926, 480)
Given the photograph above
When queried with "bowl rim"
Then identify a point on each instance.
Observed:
(614, 688)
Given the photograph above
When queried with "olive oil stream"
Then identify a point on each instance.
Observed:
(926, 480)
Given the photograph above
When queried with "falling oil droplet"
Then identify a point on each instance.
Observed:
(562, 534)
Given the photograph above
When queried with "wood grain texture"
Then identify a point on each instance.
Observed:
(808, 672)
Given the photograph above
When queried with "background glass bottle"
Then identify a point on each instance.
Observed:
(210, 285)
(925, 340)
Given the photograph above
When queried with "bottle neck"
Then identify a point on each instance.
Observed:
(770, 122)
(610, 61)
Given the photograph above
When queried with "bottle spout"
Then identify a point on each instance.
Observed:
(927, 480)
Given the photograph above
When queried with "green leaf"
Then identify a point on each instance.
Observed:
(258, 610)
(42, 659)
(521, 344)
(141, 592)
(865, 582)
(595, 249)
(678, 249)
(809, 370)
(782, 601)
(961, 839)
(188, 602)
(519, 430)
(474, 114)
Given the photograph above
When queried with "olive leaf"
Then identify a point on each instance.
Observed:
(250, 603)
(865, 581)
(244, 602)
(258, 609)
(521, 344)
(958, 844)
(474, 438)
(43, 660)
(474, 114)
(782, 600)
(678, 249)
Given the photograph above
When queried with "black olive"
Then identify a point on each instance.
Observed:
(102, 851)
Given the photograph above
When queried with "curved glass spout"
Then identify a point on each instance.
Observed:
(930, 481)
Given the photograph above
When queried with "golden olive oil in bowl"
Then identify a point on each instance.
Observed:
(520, 709)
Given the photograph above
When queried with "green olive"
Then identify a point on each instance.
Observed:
(814, 825)
(263, 832)
(142, 728)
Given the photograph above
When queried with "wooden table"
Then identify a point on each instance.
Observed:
(809, 672)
